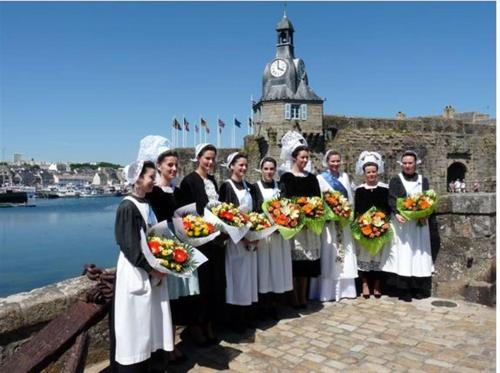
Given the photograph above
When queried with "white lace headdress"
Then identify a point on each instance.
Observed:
(369, 157)
(289, 142)
(151, 147)
(132, 171)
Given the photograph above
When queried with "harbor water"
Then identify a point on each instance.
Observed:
(52, 241)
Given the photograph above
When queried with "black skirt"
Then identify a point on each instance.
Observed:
(306, 268)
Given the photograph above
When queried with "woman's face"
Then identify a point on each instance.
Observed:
(168, 167)
(302, 159)
(207, 160)
(371, 174)
(409, 166)
(239, 167)
(146, 182)
(268, 170)
(334, 163)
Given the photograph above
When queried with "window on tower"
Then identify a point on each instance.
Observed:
(296, 111)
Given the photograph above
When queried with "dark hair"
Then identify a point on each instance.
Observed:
(370, 164)
(165, 154)
(409, 153)
(238, 156)
(268, 159)
(333, 152)
(298, 150)
(205, 149)
(145, 166)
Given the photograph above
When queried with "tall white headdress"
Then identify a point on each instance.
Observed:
(369, 157)
(151, 147)
(289, 142)
(409, 152)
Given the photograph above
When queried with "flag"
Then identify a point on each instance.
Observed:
(186, 125)
(250, 123)
(196, 128)
(176, 124)
(203, 123)
(237, 123)
(207, 129)
(221, 123)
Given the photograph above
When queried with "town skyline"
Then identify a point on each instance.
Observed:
(90, 94)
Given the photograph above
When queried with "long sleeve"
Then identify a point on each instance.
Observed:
(226, 194)
(257, 198)
(128, 225)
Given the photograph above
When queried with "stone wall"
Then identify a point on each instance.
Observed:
(465, 247)
(439, 142)
(23, 315)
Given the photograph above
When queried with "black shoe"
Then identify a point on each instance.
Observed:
(273, 313)
(366, 296)
(405, 298)
(239, 328)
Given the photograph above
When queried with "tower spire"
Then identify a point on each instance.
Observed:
(284, 10)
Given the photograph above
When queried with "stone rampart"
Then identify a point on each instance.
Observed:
(463, 237)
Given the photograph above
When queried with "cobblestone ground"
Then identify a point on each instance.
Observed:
(374, 335)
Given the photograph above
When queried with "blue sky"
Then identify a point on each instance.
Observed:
(86, 81)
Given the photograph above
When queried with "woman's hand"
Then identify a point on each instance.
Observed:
(400, 218)
(156, 274)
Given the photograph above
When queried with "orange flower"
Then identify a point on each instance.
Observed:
(380, 214)
(423, 204)
(366, 230)
(155, 247)
(409, 203)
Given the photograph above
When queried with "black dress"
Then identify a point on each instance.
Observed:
(211, 275)
(305, 245)
(366, 197)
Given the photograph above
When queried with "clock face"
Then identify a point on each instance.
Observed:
(278, 68)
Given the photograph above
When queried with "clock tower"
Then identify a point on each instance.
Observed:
(287, 101)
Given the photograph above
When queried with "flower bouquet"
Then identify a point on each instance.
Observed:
(286, 214)
(260, 227)
(372, 230)
(339, 206)
(191, 228)
(418, 205)
(168, 255)
(232, 221)
(314, 212)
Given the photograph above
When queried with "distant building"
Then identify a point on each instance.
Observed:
(18, 158)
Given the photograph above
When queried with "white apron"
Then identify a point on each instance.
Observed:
(241, 264)
(337, 277)
(410, 250)
(274, 256)
(142, 319)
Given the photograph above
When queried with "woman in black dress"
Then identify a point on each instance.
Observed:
(200, 187)
(163, 203)
(371, 193)
(305, 245)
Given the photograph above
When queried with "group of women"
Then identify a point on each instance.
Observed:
(239, 276)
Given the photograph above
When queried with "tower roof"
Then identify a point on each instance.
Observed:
(284, 24)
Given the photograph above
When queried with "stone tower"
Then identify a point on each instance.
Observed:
(287, 101)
